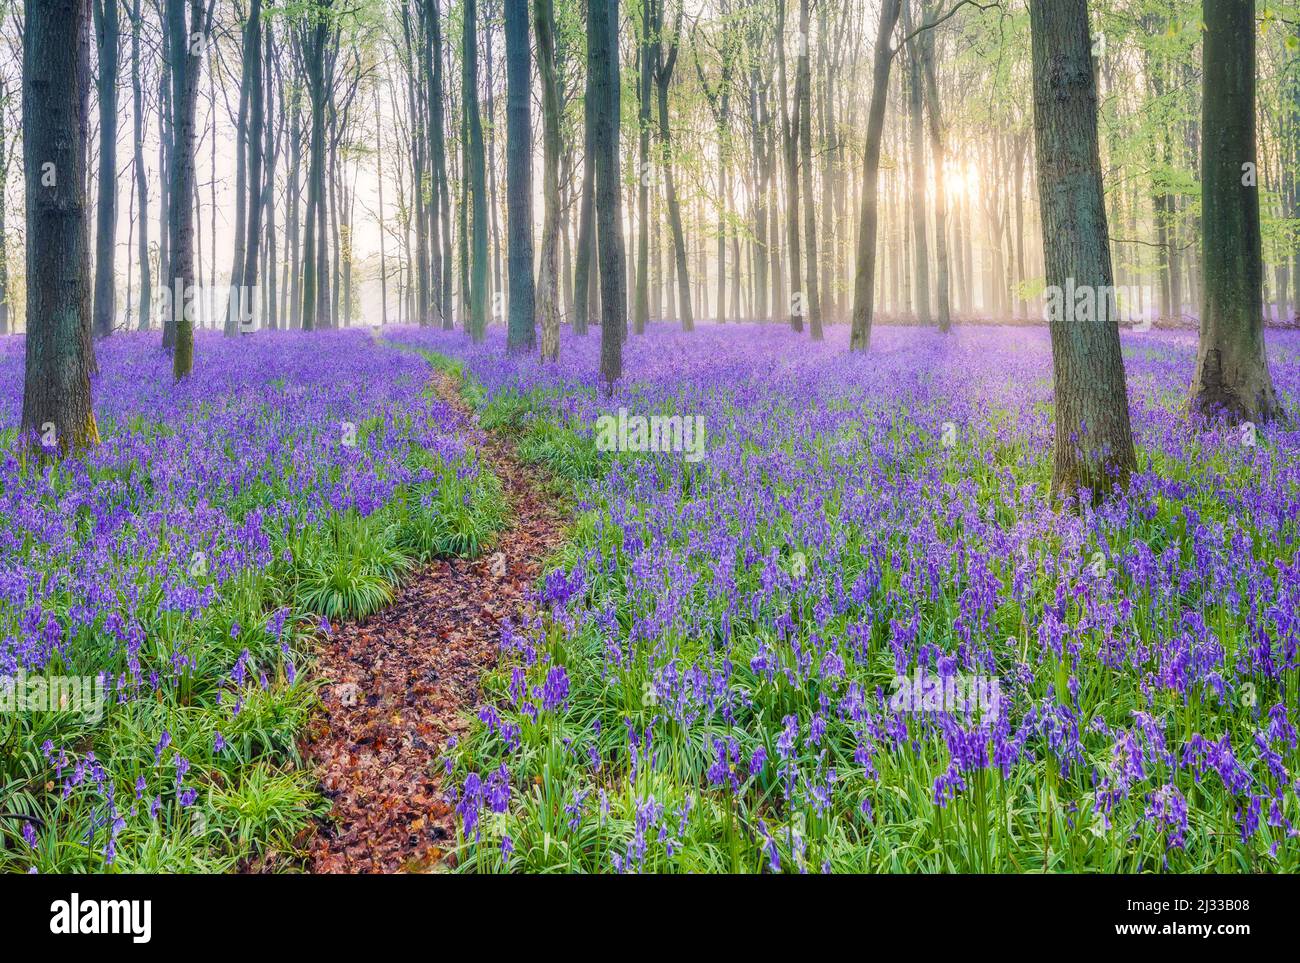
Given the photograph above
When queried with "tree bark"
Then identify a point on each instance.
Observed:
(864, 280)
(602, 64)
(942, 310)
(1232, 375)
(548, 308)
(108, 44)
(57, 410)
(186, 43)
(803, 88)
(521, 331)
(478, 289)
(1094, 442)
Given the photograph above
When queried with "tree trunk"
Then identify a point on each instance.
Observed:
(141, 175)
(186, 42)
(940, 188)
(916, 168)
(603, 66)
(57, 412)
(108, 46)
(314, 313)
(864, 281)
(663, 76)
(803, 88)
(548, 308)
(790, 143)
(1094, 443)
(641, 303)
(1232, 375)
(522, 331)
(478, 290)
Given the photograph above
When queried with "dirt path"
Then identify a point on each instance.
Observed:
(397, 685)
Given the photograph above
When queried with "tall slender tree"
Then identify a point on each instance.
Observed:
(141, 174)
(603, 114)
(645, 62)
(315, 37)
(186, 43)
(548, 307)
(521, 330)
(477, 180)
(108, 49)
(665, 62)
(864, 280)
(803, 97)
(937, 163)
(248, 193)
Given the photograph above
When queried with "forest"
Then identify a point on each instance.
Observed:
(649, 436)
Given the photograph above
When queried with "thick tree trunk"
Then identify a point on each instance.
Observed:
(864, 281)
(57, 409)
(1094, 443)
(1232, 375)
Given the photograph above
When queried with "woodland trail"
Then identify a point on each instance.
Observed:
(415, 666)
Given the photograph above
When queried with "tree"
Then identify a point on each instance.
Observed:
(645, 55)
(916, 163)
(790, 143)
(803, 97)
(7, 145)
(248, 193)
(864, 280)
(1094, 442)
(602, 115)
(315, 299)
(937, 162)
(108, 48)
(548, 308)
(663, 75)
(1232, 375)
(186, 43)
(56, 387)
(478, 284)
(141, 175)
(439, 162)
(521, 332)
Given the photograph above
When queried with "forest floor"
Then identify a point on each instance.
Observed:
(397, 686)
